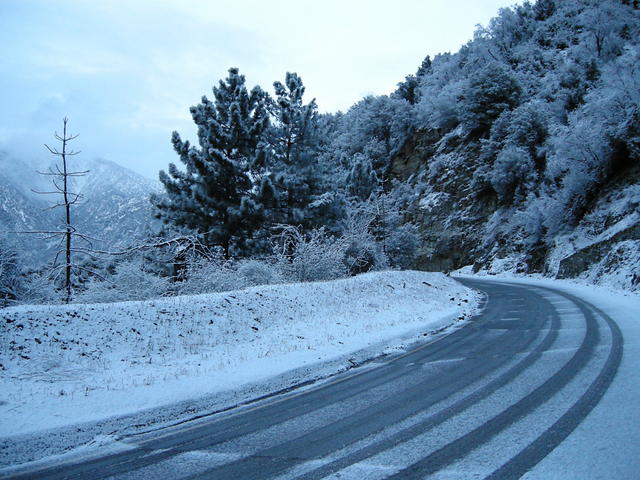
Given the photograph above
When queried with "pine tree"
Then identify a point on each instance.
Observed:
(425, 67)
(294, 140)
(215, 195)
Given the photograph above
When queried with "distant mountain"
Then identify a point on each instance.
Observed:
(114, 208)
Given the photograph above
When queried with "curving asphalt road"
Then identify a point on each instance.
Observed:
(490, 400)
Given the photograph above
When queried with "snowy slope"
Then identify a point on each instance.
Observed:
(67, 364)
(21, 210)
(115, 204)
(114, 209)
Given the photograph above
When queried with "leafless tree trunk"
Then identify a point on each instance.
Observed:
(60, 177)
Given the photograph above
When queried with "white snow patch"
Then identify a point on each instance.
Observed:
(62, 365)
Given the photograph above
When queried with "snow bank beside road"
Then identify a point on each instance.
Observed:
(67, 364)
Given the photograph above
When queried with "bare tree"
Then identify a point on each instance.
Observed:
(61, 179)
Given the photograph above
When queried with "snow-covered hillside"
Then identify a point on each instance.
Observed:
(67, 364)
(114, 208)
(525, 151)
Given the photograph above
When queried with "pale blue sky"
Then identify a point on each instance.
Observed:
(126, 72)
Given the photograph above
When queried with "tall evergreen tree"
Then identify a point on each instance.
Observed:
(215, 194)
(425, 67)
(294, 141)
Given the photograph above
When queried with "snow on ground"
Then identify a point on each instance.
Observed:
(62, 365)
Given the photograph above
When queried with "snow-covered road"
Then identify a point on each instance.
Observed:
(541, 385)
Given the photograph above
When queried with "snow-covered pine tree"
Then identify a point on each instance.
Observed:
(215, 195)
(294, 141)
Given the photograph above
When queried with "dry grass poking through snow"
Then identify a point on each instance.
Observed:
(81, 362)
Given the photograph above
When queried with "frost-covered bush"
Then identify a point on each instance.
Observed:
(131, 280)
(600, 141)
(206, 275)
(439, 91)
(362, 179)
(402, 245)
(517, 234)
(376, 127)
(490, 92)
(439, 107)
(256, 272)
(578, 164)
(312, 256)
(10, 282)
(526, 127)
(38, 286)
(399, 236)
(529, 222)
(513, 174)
(363, 252)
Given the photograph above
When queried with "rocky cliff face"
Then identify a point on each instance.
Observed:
(451, 217)
(457, 219)
(605, 245)
(527, 147)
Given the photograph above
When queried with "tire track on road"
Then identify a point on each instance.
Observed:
(562, 428)
(457, 449)
(336, 435)
(442, 416)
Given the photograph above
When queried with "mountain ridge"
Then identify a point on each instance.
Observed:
(114, 208)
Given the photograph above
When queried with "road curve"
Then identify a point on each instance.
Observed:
(490, 400)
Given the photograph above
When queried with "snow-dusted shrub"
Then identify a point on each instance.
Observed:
(131, 280)
(439, 91)
(489, 93)
(363, 250)
(578, 164)
(255, 272)
(438, 107)
(601, 141)
(376, 127)
(308, 257)
(206, 275)
(400, 237)
(513, 174)
(402, 245)
(526, 126)
(38, 286)
(10, 281)
(529, 223)
(362, 180)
